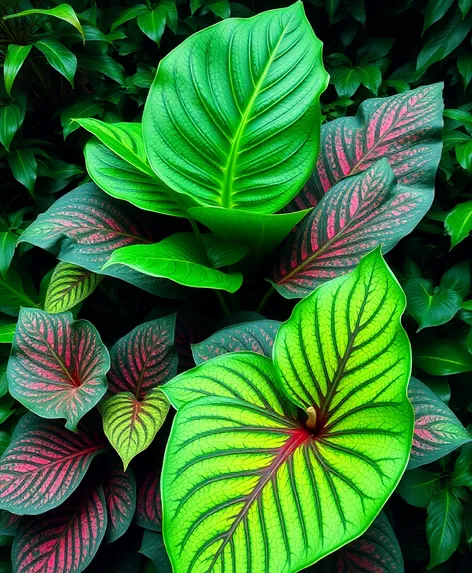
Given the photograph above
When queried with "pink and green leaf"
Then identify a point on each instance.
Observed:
(57, 366)
(44, 464)
(149, 508)
(437, 430)
(9, 523)
(119, 488)
(405, 128)
(64, 540)
(255, 336)
(358, 214)
(85, 227)
(144, 359)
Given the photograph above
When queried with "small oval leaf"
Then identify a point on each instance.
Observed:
(69, 285)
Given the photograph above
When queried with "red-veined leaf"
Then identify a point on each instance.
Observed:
(64, 540)
(119, 488)
(45, 463)
(149, 509)
(144, 358)
(357, 215)
(57, 366)
(437, 430)
(84, 228)
(405, 128)
(257, 336)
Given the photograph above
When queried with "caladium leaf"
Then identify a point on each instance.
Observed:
(246, 135)
(131, 424)
(149, 509)
(119, 488)
(437, 430)
(64, 540)
(240, 451)
(57, 366)
(144, 358)
(358, 214)
(44, 464)
(377, 551)
(85, 226)
(257, 336)
(405, 128)
(69, 285)
(9, 523)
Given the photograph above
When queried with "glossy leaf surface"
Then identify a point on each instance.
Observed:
(149, 508)
(245, 135)
(57, 366)
(458, 223)
(63, 12)
(443, 526)
(255, 336)
(430, 308)
(119, 488)
(15, 58)
(418, 486)
(59, 57)
(44, 464)
(442, 358)
(358, 214)
(69, 285)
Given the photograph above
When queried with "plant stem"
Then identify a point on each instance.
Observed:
(221, 300)
(263, 302)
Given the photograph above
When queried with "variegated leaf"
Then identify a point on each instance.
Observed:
(119, 488)
(69, 285)
(149, 508)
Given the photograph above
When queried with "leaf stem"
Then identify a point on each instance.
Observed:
(263, 302)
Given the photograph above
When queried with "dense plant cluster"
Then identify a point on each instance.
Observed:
(168, 197)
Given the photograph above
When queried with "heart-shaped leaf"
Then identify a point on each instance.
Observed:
(405, 128)
(240, 453)
(149, 509)
(418, 486)
(256, 336)
(437, 430)
(65, 539)
(57, 366)
(131, 424)
(44, 464)
(84, 227)
(119, 488)
(245, 135)
(69, 285)
(358, 214)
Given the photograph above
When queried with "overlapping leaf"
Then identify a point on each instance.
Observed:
(149, 509)
(404, 128)
(253, 147)
(240, 454)
(69, 285)
(437, 429)
(65, 539)
(85, 226)
(44, 464)
(119, 488)
(57, 366)
(256, 336)
(358, 214)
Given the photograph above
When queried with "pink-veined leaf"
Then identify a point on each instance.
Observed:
(144, 358)
(437, 430)
(84, 228)
(119, 488)
(375, 551)
(9, 523)
(57, 366)
(358, 214)
(149, 509)
(405, 128)
(64, 540)
(256, 336)
(45, 463)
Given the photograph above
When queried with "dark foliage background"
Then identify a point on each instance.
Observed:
(370, 48)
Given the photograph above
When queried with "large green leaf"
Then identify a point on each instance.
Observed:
(16, 55)
(442, 357)
(435, 10)
(59, 57)
(443, 526)
(458, 223)
(232, 118)
(181, 259)
(249, 482)
(118, 165)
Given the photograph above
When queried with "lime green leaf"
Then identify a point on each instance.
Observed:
(129, 14)
(59, 57)
(441, 358)
(246, 135)
(458, 223)
(435, 10)
(418, 486)
(131, 424)
(11, 119)
(261, 231)
(427, 307)
(7, 332)
(443, 526)
(7, 249)
(153, 22)
(69, 285)
(181, 259)
(16, 55)
(464, 64)
(240, 454)
(24, 167)
(63, 12)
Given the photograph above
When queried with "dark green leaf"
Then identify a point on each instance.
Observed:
(464, 65)
(462, 474)
(24, 167)
(7, 249)
(458, 223)
(12, 294)
(153, 548)
(371, 78)
(104, 64)
(129, 14)
(346, 81)
(457, 278)
(372, 50)
(441, 358)
(429, 308)
(465, 6)
(435, 10)
(59, 57)
(15, 58)
(418, 486)
(87, 107)
(464, 156)
(11, 119)
(221, 8)
(443, 526)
